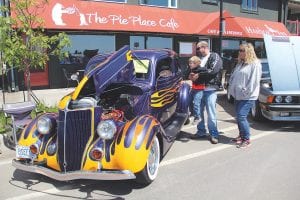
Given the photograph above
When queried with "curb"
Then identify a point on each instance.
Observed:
(1, 141)
(3, 148)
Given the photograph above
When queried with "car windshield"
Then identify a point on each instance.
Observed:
(141, 68)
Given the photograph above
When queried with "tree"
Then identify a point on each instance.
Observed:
(24, 43)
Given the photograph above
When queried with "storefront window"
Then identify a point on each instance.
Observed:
(210, 1)
(249, 5)
(159, 43)
(230, 48)
(137, 42)
(260, 50)
(2, 3)
(120, 1)
(163, 3)
(230, 53)
(83, 47)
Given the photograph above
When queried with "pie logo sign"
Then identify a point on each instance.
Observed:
(94, 17)
(58, 10)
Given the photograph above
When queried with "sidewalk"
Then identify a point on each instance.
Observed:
(50, 97)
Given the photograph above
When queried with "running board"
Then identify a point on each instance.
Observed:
(175, 124)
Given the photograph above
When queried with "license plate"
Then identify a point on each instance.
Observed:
(284, 114)
(22, 152)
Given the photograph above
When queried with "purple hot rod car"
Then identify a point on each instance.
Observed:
(117, 124)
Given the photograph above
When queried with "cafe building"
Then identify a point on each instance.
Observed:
(103, 27)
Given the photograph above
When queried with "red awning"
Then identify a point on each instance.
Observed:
(92, 15)
(255, 28)
(241, 26)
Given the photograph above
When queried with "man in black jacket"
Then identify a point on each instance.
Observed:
(211, 76)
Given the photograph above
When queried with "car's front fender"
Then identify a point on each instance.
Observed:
(131, 148)
(183, 98)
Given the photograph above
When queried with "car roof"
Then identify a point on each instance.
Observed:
(153, 53)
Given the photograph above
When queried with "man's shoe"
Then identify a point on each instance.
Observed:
(214, 140)
(198, 137)
(244, 144)
(196, 121)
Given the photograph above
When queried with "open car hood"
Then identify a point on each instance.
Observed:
(284, 62)
(106, 69)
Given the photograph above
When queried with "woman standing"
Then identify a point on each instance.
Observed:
(244, 87)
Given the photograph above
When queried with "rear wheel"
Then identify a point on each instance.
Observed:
(149, 173)
(256, 113)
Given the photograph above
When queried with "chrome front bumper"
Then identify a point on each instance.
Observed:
(276, 116)
(61, 176)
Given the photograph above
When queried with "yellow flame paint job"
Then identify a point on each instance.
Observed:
(163, 97)
(64, 101)
(79, 87)
(123, 159)
(51, 161)
(131, 158)
(129, 56)
(29, 140)
(90, 165)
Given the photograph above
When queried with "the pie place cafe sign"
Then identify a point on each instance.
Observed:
(93, 18)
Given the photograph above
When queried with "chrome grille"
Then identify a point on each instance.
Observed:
(71, 145)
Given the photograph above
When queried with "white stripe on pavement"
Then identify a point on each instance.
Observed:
(53, 191)
(194, 126)
(5, 162)
(35, 194)
(208, 151)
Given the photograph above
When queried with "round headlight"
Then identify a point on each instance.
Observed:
(106, 129)
(288, 99)
(278, 99)
(44, 125)
(51, 149)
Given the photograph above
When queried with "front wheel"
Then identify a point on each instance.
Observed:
(149, 173)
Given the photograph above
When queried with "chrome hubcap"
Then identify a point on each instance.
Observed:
(153, 160)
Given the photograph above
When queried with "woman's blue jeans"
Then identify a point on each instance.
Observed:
(242, 109)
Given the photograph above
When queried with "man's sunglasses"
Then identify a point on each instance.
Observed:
(198, 48)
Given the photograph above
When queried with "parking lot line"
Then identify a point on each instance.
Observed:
(35, 194)
(211, 150)
(217, 148)
(194, 126)
(5, 162)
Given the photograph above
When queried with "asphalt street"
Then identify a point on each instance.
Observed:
(192, 169)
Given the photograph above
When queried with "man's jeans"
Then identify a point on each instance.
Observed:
(209, 100)
(196, 103)
(242, 109)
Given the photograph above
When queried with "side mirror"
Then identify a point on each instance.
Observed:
(74, 77)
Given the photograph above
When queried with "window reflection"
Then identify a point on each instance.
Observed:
(83, 47)
(159, 43)
(137, 42)
(163, 3)
(260, 50)
(120, 1)
(249, 5)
